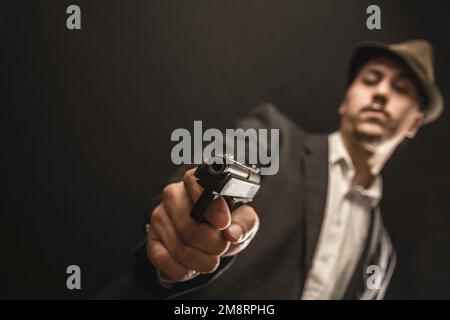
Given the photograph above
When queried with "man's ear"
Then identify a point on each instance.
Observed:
(341, 108)
(418, 121)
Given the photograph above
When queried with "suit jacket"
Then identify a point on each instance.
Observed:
(291, 207)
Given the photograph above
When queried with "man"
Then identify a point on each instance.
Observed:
(320, 233)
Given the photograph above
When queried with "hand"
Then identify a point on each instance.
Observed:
(180, 247)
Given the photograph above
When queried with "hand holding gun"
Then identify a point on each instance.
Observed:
(180, 247)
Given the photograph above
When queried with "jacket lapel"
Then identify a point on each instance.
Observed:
(316, 182)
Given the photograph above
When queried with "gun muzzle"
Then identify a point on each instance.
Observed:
(223, 176)
(224, 164)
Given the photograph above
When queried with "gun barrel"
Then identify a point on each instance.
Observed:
(225, 164)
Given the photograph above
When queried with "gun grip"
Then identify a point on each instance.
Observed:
(201, 205)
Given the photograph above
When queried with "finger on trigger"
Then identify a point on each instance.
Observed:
(218, 214)
(244, 225)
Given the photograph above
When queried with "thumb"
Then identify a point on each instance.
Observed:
(244, 225)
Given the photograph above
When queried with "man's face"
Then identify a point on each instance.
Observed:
(381, 101)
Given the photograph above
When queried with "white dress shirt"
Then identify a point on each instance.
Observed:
(344, 227)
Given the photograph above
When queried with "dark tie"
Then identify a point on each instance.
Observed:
(378, 252)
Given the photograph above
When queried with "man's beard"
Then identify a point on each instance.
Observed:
(368, 141)
(365, 138)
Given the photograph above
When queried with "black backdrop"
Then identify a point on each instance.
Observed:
(87, 116)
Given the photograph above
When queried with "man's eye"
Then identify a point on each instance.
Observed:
(370, 80)
(401, 88)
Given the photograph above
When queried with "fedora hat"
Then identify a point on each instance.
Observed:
(417, 56)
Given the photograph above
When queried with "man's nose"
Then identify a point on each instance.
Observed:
(381, 95)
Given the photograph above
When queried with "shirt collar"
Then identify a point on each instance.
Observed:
(373, 193)
(338, 154)
(338, 151)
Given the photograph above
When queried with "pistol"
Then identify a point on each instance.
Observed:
(221, 175)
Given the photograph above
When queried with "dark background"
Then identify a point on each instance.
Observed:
(86, 118)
